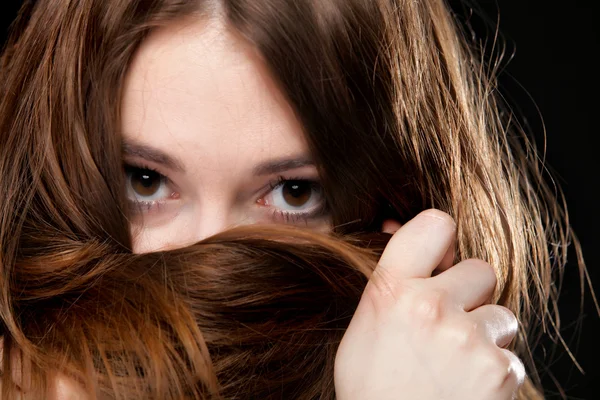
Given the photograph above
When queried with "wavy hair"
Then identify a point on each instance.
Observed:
(399, 113)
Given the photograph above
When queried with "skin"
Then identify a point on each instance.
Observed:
(200, 96)
(203, 91)
(437, 337)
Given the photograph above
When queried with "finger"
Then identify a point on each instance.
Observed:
(390, 226)
(448, 260)
(470, 283)
(515, 375)
(417, 248)
(20, 367)
(65, 388)
(499, 323)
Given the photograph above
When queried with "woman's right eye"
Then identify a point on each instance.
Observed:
(147, 188)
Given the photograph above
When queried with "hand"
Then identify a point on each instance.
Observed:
(61, 387)
(414, 336)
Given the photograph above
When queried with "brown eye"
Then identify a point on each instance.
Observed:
(292, 200)
(297, 193)
(144, 182)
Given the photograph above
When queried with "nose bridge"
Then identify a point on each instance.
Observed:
(210, 224)
(212, 217)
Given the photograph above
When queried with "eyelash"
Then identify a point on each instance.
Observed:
(285, 216)
(145, 205)
(294, 217)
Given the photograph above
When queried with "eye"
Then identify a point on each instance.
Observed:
(145, 182)
(293, 199)
(295, 194)
(147, 187)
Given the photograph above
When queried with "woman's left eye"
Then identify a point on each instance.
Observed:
(293, 199)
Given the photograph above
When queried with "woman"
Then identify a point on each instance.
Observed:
(143, 143)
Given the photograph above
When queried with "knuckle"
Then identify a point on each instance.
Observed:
(511, 322)
(503, 327)
(511, 318)
(464, 334)
(497, 368)
(427, 306)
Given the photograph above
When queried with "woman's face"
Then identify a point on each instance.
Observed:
(210, 142)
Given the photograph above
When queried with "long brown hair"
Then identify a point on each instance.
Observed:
(400, 116)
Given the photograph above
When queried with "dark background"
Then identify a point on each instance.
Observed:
(552, 74)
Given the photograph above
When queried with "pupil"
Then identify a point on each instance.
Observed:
(296, 193)
(145, 182)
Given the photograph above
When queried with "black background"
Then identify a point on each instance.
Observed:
(552, 82)
(552, 75)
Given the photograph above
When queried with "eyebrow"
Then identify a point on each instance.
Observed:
(269, 167)
(280, 165)
(152, 154)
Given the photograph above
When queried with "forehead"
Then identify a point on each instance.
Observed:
(198, 90)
